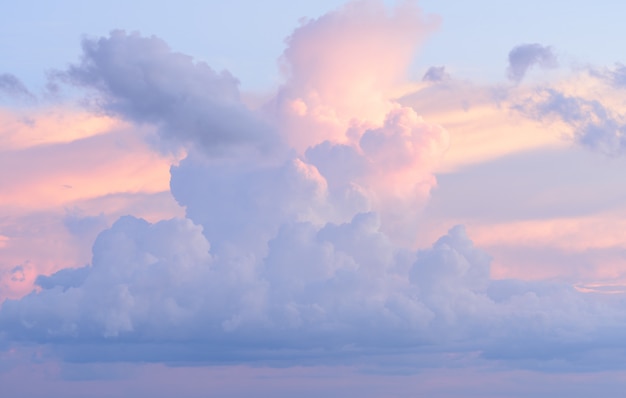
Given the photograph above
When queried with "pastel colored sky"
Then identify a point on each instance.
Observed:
(372, 198)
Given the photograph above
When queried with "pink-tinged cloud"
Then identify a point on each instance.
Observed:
(391, 166)
(26, 128)
(344, 66)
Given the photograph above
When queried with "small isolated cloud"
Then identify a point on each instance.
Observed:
(320, 295)
(436, 74)
(525, 56)
(11, 86)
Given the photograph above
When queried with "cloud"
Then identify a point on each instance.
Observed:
(525, 56)
(67, 175)
(593, 124)
(619, 75)
(304, 255)
(316, 288)
(142, 80)
(11, 86)
(436, 74)
(343, 67)
(615, 76)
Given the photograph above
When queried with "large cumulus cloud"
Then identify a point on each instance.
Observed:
(304, 255)
(342, 68)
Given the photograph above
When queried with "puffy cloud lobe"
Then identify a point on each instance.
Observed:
(242, 203)
(360, 48)
(142, 80)
(401, 155)
(403, 142)
(130, 261)
(342, 66)
(355, 148)
(239, 201)
(525, 56)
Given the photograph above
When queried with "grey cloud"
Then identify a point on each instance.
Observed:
(65, 278)
(144, 81)
(594, 125)
(321, 294)
(11, 86)
(525, 56)
(436, 74)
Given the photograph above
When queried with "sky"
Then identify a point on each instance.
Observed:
(368, 198)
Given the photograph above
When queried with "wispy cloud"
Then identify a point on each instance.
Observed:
(11, 86)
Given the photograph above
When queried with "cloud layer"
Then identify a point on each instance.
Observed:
(590, 109)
